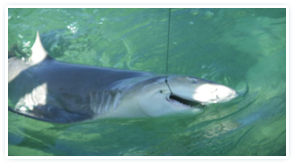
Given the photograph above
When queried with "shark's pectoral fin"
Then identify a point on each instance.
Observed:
(53, 114)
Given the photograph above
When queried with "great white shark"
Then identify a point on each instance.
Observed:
(49, 90)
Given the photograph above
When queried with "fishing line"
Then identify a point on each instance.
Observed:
(167, 54)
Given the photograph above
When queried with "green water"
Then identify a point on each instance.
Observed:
(229, 46)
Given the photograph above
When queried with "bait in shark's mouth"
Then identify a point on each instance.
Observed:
(184, 102)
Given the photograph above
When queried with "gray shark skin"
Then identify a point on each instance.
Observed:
(53, 91)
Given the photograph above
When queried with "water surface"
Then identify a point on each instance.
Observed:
(229, 46)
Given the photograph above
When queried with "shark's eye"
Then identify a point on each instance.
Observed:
(161, 91)
(193, 80)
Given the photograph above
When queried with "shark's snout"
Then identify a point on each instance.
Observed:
(200, 90)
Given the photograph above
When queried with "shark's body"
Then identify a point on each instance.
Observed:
(55, 91)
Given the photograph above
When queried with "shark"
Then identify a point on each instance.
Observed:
(49, 90)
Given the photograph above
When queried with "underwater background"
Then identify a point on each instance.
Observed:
(235, 47)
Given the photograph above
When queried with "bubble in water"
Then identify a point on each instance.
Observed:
(208, 15)
(26, 44)
(20, 36)
(72, 27)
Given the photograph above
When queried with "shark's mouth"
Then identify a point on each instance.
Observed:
(184, 102)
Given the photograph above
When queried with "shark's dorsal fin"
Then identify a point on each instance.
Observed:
(38, 52)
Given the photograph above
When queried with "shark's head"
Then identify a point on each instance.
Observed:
(184, 94)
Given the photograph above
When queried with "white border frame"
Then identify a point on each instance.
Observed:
(147, 157)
